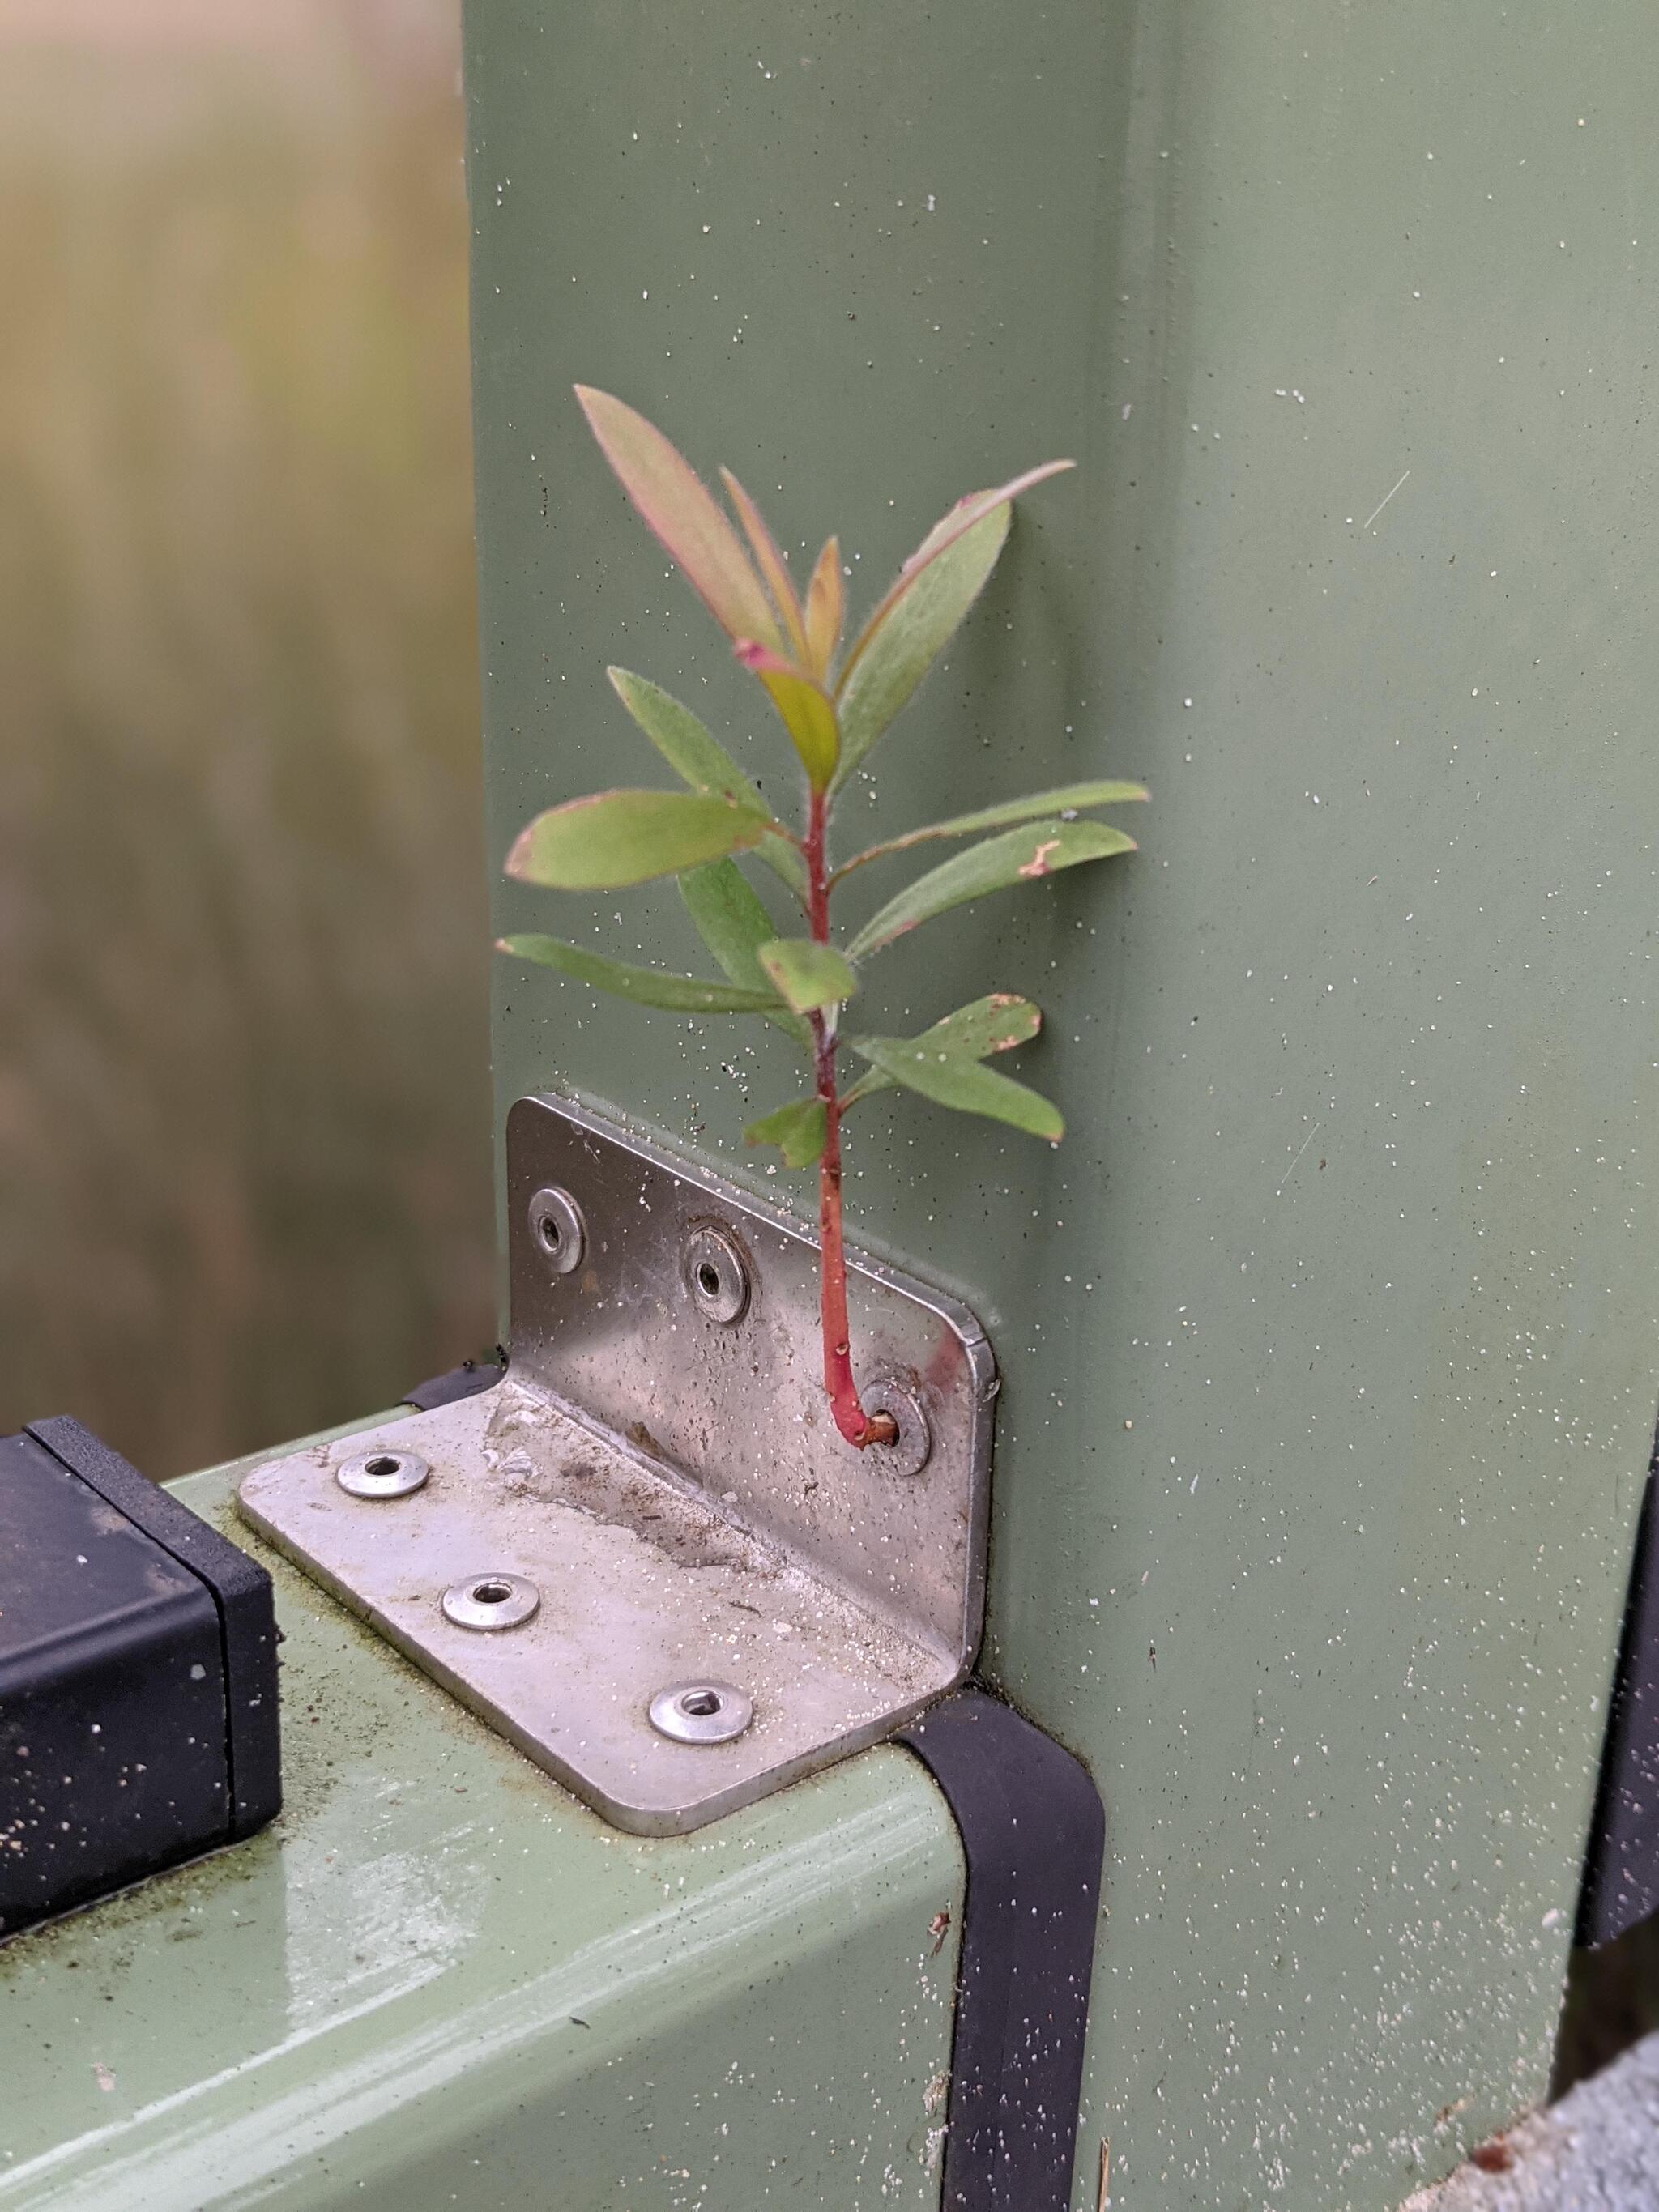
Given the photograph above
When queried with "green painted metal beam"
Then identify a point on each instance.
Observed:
(1329, 1336)
(439, 1981)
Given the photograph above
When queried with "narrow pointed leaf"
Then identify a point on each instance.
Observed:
(951, 1080)
(804, 706)
(917, 627)
(798, 1130)
(1070, 799)
(618, 837)
(691, 748)
(826, 607)
(996, 1023)
(809, 976)
(695, 753)
(775, 569)
(734, 925)
(646, 986)
(1018, 856)
(974, 507)
(682, 516)
(921, 609)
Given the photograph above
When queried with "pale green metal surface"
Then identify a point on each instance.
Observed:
(1344, 314)
(439, 1981)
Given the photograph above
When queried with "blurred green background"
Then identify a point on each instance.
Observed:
(244, 1133)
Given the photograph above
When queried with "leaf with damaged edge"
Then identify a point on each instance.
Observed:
(682, 516)
(949, 1080)
(647, 987)
(732, 923)
(809, 976)
(1018, 856)
(1070, 799)
(619, 838)
(798, 1130)
(996, 1023)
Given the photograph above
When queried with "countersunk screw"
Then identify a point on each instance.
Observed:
(702, 1711)
(558, 1229)
(716, 1272)
(382, 1474)
(488, 1601)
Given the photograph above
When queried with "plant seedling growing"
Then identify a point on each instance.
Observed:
(834, 707)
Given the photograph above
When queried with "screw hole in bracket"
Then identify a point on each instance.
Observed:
(382, 1475)
(701, 1712)
(559, 1230)
(491, 1602)
(716, 1272)
(911, 1449)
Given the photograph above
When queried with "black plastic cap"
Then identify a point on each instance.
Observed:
(139, 1698)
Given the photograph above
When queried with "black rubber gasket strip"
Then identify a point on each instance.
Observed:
(466, 1380)
(1621, 1858)
(1034, 1837)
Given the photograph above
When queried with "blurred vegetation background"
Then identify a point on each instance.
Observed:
(244, 1124)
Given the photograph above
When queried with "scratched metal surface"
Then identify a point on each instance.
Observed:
(1346, 313)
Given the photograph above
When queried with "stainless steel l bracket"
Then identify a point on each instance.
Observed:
(724, 1594)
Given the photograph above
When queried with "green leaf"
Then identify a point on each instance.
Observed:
(797, 1131)
(804, 706)
(913, 633)
(618, 837)
(810, 975)
(647, 987)
(951, 1080)
(696, 755)
(996, 1023)
(1018, 856)
(734, 925)
(691, 750)
(682, 516)
(923, 606)
(1070, 799)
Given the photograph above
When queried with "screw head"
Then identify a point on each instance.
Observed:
(715, 1268)
(558, 1229)
(382, 1474)
(491, 1602)
(910, 1451)
(702, 1711)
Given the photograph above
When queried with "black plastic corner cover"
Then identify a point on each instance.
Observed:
(138, 1696)
(1621, 1859)
(1034, 1837)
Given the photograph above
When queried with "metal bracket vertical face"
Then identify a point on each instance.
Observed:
(728, 1595)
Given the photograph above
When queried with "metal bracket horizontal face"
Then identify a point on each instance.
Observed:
(646, 1555)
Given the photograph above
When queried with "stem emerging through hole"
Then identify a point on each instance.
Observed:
(858, 1427)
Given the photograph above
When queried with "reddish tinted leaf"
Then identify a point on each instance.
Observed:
(825, 610)
(773, 568)
(682, 515)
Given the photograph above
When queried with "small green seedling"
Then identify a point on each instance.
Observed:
(834, 707)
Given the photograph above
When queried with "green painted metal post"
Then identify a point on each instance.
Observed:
(1329, 1336)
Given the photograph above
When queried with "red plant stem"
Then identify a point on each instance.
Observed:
(858, 1427)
